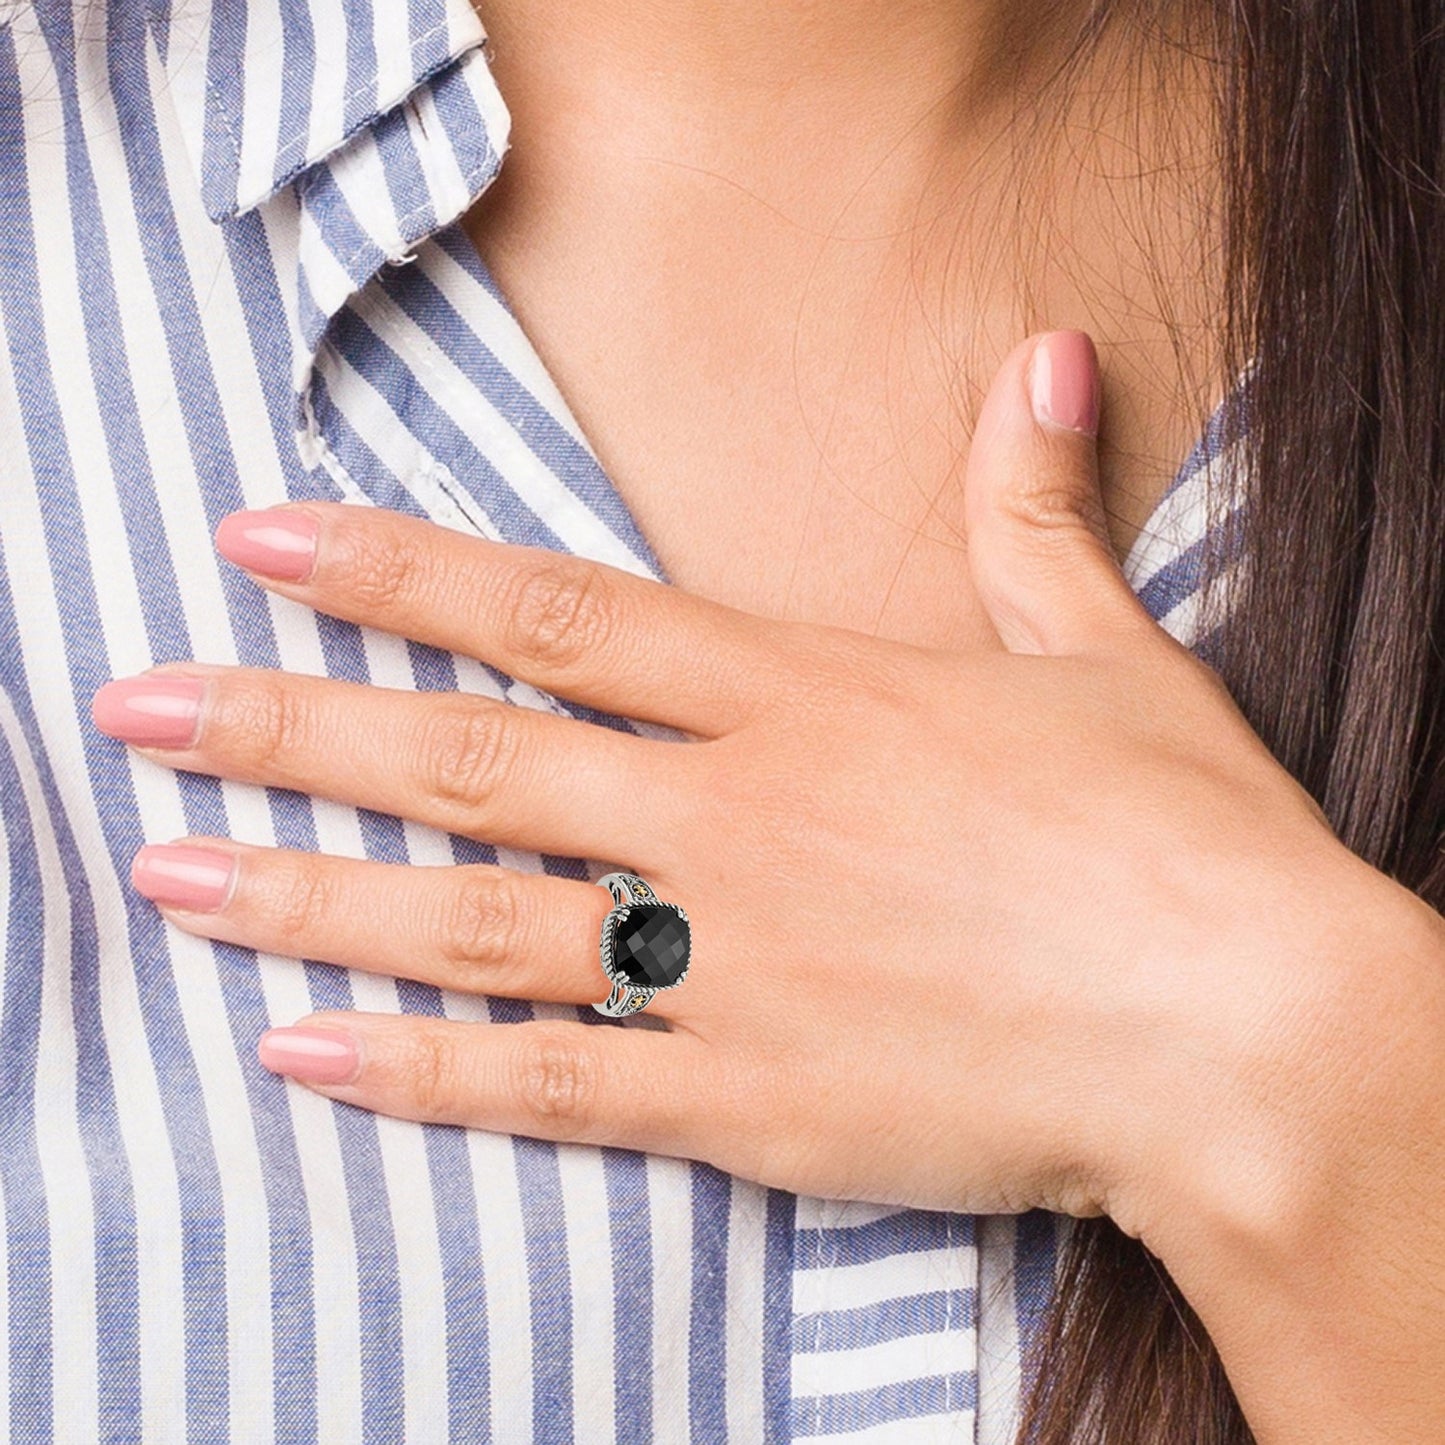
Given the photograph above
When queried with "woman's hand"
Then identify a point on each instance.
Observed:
(1042, 925)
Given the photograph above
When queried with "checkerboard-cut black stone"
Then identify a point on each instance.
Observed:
(650, 946)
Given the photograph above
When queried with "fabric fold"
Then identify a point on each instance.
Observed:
(352, 131)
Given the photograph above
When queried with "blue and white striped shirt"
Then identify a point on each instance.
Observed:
(231, 274)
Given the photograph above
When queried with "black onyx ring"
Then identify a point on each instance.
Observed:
(645, 945)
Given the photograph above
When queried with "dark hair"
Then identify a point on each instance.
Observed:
(1331, 151)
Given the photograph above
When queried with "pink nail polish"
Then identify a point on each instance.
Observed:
(310, 1055)
(1064, 383)
(195, 878)
(276, 542)
(152, 712)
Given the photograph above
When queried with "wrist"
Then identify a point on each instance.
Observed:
(1302, 1219)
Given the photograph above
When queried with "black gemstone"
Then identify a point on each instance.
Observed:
(650, 945)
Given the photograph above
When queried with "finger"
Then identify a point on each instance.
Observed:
(472, 928)
(1038, 547)
(555, 1079)
(572, 627)
(467, 764)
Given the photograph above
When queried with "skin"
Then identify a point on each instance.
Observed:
(1129, 968)
(774, 254)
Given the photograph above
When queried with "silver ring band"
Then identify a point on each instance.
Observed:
(645, 945)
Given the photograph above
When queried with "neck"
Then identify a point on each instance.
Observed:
(878, 66)
(823, 223)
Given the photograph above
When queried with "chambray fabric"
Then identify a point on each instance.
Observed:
(231, 274)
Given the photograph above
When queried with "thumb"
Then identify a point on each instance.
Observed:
(1038, 547)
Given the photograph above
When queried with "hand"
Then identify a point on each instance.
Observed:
(1020, 927)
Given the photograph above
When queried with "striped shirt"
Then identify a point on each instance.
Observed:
(232, 274)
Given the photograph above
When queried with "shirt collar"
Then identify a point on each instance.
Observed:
(265, 91)
(355, 128)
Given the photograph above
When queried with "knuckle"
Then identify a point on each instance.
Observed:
(561, 614)
(827, 670)
(262, 722)
(481, 923)
(865, 673)
(380, 568)
(1047, 507)
(297, 899)
(433, 1076)
(468, 752)
(557, 1080)
(1212, 683)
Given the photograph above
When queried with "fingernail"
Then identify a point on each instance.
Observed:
(1064, 383)
(195, 878)
(152, 712)
(276, 542)
(310, 1056)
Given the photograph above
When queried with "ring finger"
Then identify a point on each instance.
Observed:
(473, 928)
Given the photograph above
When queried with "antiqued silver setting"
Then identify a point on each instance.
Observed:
(627, 997)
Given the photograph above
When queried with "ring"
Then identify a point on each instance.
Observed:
(645, 945)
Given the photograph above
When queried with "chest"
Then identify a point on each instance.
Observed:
(807, 483)
(753, 514)
(790, 427)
